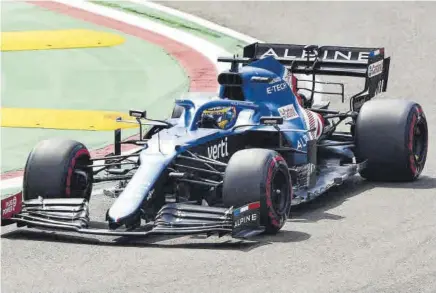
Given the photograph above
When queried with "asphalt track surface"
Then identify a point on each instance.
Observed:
(361, 237)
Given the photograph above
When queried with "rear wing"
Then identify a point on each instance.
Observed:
(330, 60)
(363, 62)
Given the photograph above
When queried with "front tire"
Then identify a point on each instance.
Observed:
(259, 175)
(392, 135)
(54, 169)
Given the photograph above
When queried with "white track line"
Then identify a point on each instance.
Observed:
(208, 49)
(198, 20)
(11, 183)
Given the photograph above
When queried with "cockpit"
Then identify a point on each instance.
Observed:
(223, 117)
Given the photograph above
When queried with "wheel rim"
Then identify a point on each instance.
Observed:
(279, 189)
(419, 143)
(82, 181)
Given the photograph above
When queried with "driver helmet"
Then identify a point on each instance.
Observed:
(225, 117)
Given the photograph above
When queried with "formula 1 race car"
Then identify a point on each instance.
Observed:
(233, 163)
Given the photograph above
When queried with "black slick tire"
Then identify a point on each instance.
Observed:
(392, 135)
(259, 175)
(53, 170)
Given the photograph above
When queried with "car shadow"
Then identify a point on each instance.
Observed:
(283, 236)
(424, 182)
(201, 242)
(318, 208)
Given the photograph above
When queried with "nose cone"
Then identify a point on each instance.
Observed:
(128, 204)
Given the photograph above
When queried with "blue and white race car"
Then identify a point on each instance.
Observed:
(234, 163)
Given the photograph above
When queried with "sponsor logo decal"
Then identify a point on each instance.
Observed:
(288, 112)
(276, 88)
(219, 150)
(359, 101)
(326, 54)
(311, 168)
(379, 87)
(260, 79)
(251, 206)
(302, 141)
(11, 206)
(246, 219)
(217, 110)
(274, 80)
(376, 52)
(246, 214)
(375, 69)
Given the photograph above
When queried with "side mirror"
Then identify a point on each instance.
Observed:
(138, 114)
(271, 121)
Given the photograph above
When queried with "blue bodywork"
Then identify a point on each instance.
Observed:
(264, 91)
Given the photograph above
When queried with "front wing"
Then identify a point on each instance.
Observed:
(72, 214)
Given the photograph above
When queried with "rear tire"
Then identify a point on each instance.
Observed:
(53, 170)
(259, 175)
(392, 135)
